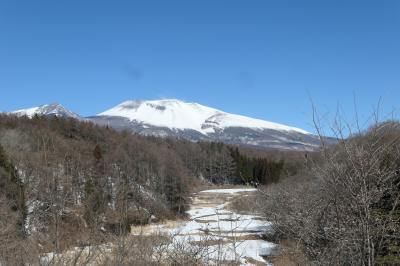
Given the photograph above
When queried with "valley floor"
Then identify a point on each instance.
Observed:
(226, 234)
(212, 234)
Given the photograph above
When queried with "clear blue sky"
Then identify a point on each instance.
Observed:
(258, 58)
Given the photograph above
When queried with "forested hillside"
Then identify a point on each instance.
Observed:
(68, 183)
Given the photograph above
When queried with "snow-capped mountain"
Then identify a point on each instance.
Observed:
(54, 109)
(176, 114)
(194, 121)
(191, 121)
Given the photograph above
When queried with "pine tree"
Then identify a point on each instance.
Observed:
(95, 200)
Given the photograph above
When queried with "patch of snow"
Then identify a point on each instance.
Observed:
(229, 190)
(222, 234)
(29, 112)
(213, 222)
(225, 120)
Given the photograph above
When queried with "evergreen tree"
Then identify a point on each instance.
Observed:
(95, 199)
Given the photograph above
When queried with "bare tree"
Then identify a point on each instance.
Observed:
(342, 209)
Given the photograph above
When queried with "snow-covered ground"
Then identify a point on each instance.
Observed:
(227, 234)
(229, 190)
(213, 233)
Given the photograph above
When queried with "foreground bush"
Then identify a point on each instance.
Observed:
(344, 208)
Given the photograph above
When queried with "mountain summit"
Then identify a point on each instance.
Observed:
(176, 114)
(193, 121)
(53, 109)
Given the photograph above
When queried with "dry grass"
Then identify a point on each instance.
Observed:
(149, 229)
(288, 255)
(245, 204)
(254, 262)
(243, 237)
(283, 260)
(205, 221)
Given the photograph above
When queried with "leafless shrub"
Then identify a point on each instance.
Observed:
(155, 249)
(344, 208)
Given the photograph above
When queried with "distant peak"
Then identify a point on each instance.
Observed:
(55, 105)
(52, 109)
(130, 104)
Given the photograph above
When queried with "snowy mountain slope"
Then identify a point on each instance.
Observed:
(163, 113)
(176, 114)
(54, 109)
(193, 121)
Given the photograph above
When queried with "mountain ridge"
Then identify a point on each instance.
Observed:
(52, 109)
(191, 121)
